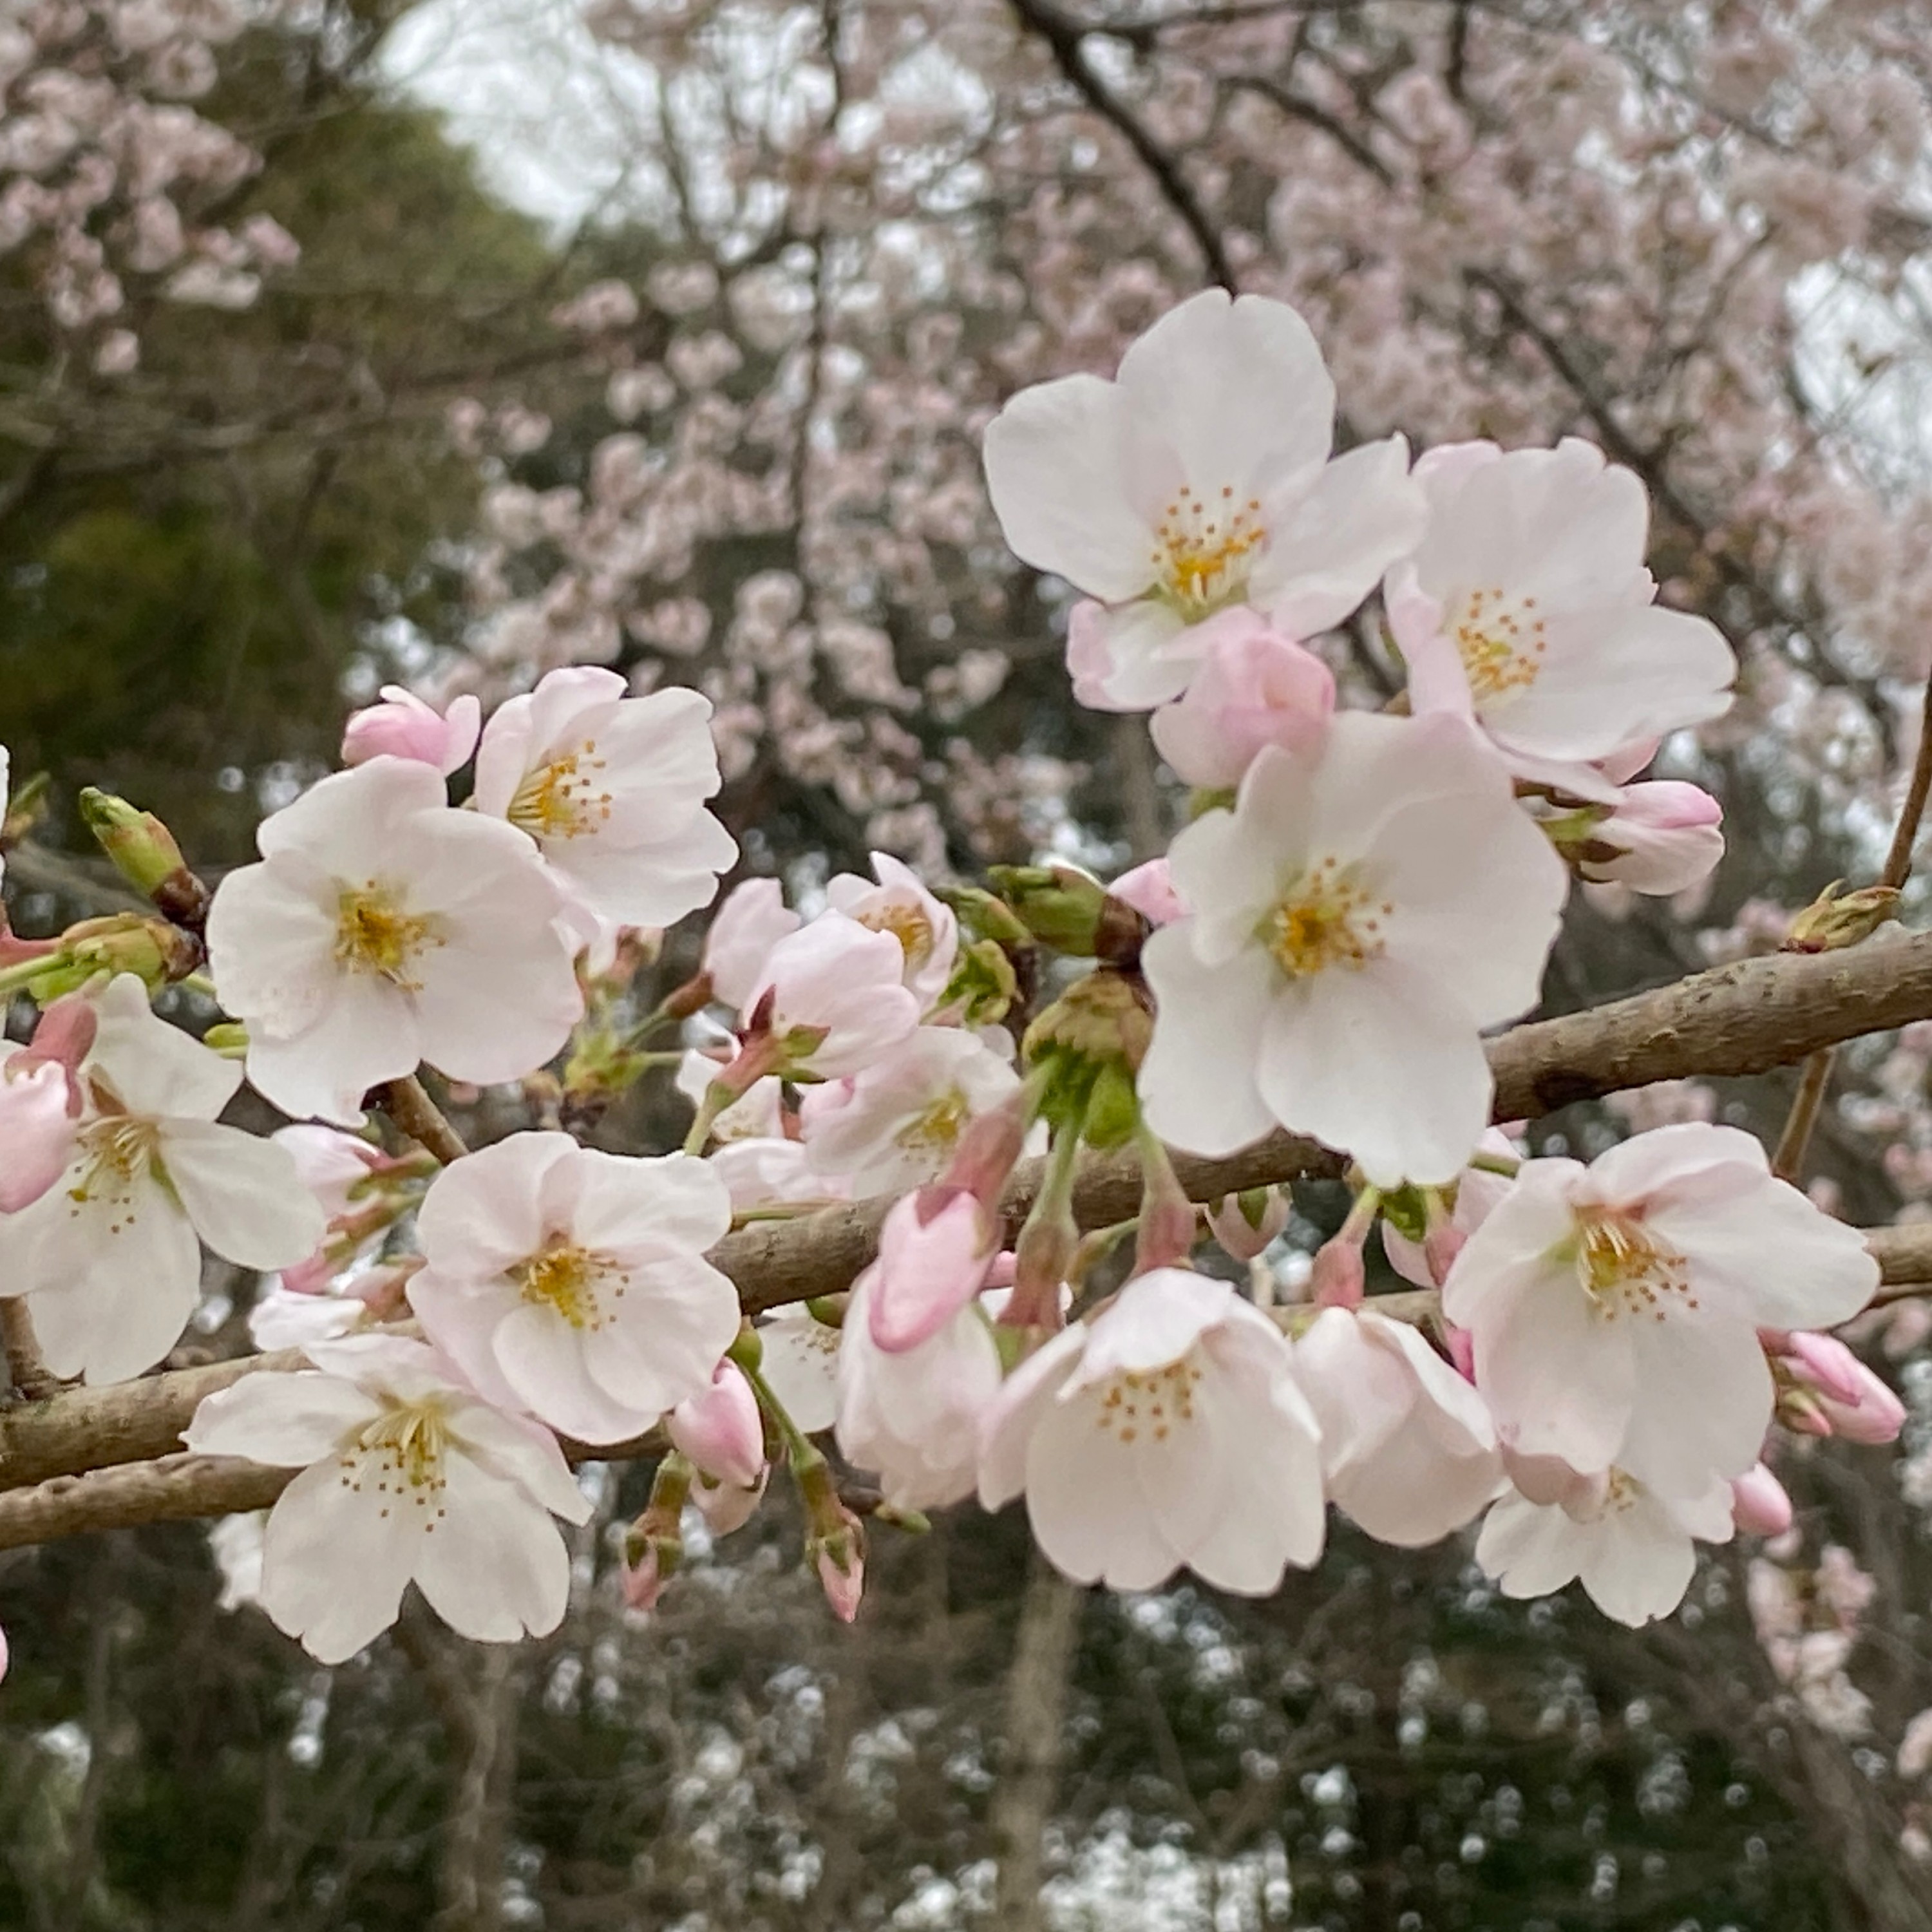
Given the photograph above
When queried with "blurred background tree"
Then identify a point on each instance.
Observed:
(706, 406)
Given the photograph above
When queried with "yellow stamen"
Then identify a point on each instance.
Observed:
(571, 1280)
(376, 933)
(1627, 1269)
(402, 1452)
(1205, 550)
(1501, 642)
(1152, 1400)
(1326, 918)
(564, 798)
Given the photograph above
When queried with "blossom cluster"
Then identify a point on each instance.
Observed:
(1596, 1356)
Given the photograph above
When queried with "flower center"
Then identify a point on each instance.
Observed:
(118, 1152)
(936, 1131)
(1205, 550)
(564, 798)
(907, 923)
(1501, 642)
(1148, 1400)
(402, 1453)
(1624, 1269)
(571, 1280)
(1326, 919)
(376, 933)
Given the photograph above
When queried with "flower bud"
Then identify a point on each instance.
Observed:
(934, 1248)
(1338, 1279)
(1824, 1389)
(142, 848)
(721, 1429)
(834, 1540)
(1831, 921)
(1245, 1224)
(1149, 889)
(654, 1544)
(1760, 1506)
(36, 1130)
(156, 951)
(843, 1576)
(1255, 687)
(983, 987)
(404, 726)
(728, 1506)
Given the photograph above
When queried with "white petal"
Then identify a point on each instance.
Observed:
(484, 1213)
(1703, 1402)
(1197, 1083)
(1056, 470)
(285, 1420)
(1559, 1379)
(335, 1563)
(1085, 1501)
(155, 1069)
(542, 1358)
(243, 1194)
(493, 1567)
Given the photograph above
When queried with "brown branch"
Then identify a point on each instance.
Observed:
(25, 1365)
(1066, 39)
(411, 1109)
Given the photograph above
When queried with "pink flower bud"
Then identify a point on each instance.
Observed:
(643, 1585)
(1760, 1506)
(1255, 687)
(1839, 1395)
(1662, 837)
(1149, 889)
(1339, 1278)
(1826, 1363)
(1242, 1237)
(721, 1429)
(402, 726)
(934, 1253)
(728, 1506)
(843, 1585)
(36, 1130)
(63, 1036)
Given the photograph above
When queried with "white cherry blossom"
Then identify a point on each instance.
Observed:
(1527, 606)
(1356, 920)
(751, 918)
(914, 1415)
(1167, 1431)
(1631, 1549)
(1409, 1448)
(109, 1259)
(613, 788)
(1614, 1309)
(382, 928)
(1199, 479)
(837, 998)
(572, 1283)
(895, 1124)
(406, 1476)
(800, 1366)
(928, 933)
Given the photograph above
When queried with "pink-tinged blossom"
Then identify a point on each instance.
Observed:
(1615, 1308)
(613, 788)
(913, 1415)
(895, 1124)
(1167, 1431)
(1409, 1450)
(572, 1283)
(1661, 837)
(406, 1476)
(1830, 1392)
(1199, 479)
(761, 1172)
(721, 1429)
(935, 1250)
(1631, 1549)
(1255, 687)
(1149, 889)
(36, 1130)
(405, 726)
(1358, 919)
(1244, 1237)
(928, 933)
(382, 929)
(1759, 1505)
(837, 998)
(751, 919)
(110, 1260)
(1527, 606)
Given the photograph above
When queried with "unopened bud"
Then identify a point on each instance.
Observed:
(984, 985)
(156, 951)
(1338, 1279)
(145, 855)
(1061, 906)
(1831, 922)
(654, 1544)
(834, 1540)
(1245, 1224)
(981, 913)
(229, 1038)
(1760, 1506)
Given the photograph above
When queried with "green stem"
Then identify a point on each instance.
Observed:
(800, 1451)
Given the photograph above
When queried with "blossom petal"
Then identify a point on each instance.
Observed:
(493, 1566)
(1197, 1082)
(335, 1563)
(242, 1193)
(284, 1420)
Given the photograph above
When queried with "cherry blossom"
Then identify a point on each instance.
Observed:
(613, 789)
(837, 998)
(1631, 1548)
(800, 1366)
(936, 1248)
(1409, 1447)
(928, 933)
(1356, 920)
(572, 1283)
(1527, 606)
(406, 1476)
(1255, 687)
(1167, 1431)
(751, 918)
(382, 928)
(895, 1124)
(110, 1261)
(913, 1415)
(404, 726)
(1199, 479)
(1615, 1308)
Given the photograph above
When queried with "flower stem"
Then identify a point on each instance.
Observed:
(406, 1102)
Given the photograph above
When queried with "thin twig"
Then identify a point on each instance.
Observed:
(1816, 1078)
(411, 1109)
